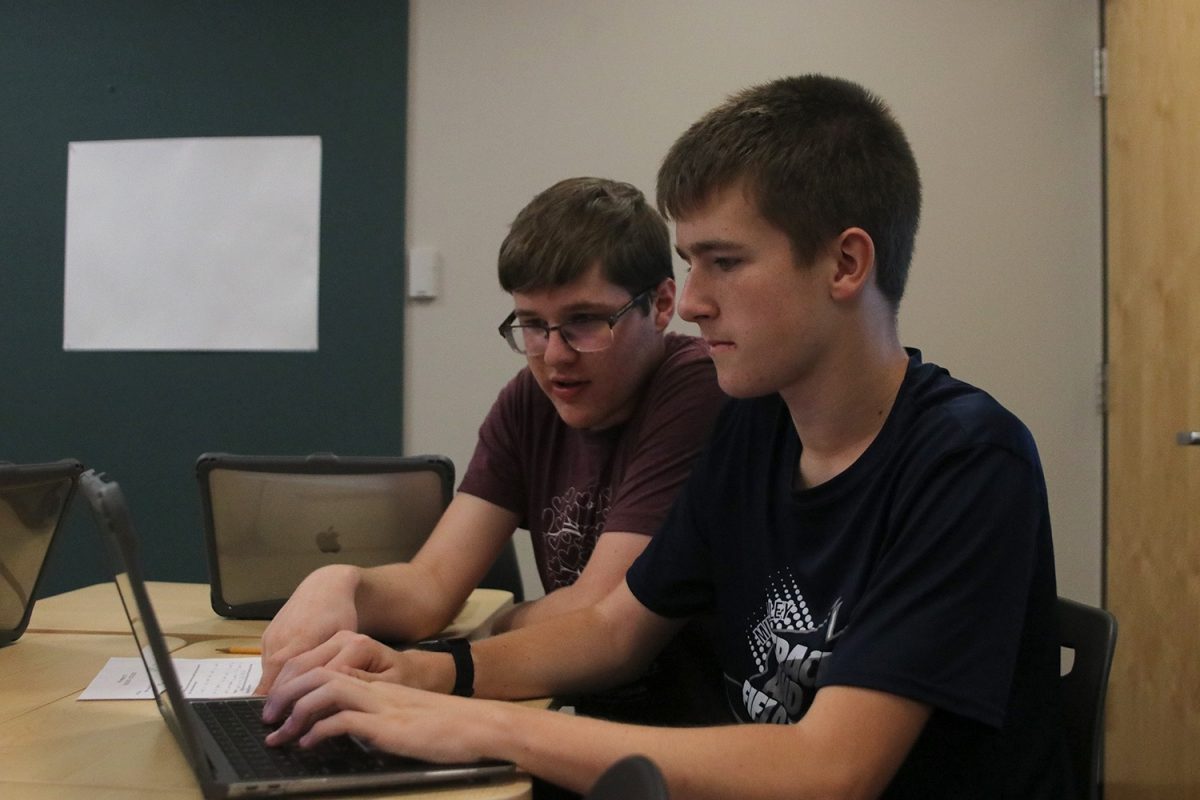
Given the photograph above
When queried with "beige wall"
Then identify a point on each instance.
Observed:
(507, 96)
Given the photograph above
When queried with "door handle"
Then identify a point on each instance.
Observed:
(1187, 437)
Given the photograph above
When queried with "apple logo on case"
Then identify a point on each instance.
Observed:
(327, 541)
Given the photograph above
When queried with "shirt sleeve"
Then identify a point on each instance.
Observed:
(497, 472)
(673, 425)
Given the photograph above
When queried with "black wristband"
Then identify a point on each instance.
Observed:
(464, 665)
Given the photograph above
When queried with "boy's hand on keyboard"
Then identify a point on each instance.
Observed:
(392, 718)
(322, 605)
(362, 657)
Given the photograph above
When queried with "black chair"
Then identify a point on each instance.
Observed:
(631, 778)
(1092, 634)
(505, 574)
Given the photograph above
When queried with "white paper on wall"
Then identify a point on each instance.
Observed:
(193, 244)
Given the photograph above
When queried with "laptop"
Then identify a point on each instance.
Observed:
(34, 499)
(271, 520)
(223, 740)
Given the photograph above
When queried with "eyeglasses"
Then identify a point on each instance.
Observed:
(583, 334)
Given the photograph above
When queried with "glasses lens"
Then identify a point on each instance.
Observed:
(588, 336)
(533, 340)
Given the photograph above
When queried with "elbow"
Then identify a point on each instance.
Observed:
(852, 792)
(848, 784)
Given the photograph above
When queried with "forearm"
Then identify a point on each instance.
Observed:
(848, 746)
(567, 654)
(558, 602)
(402, 602)
(714, 763)
(605, 644)
(605, 571)
(418, 599)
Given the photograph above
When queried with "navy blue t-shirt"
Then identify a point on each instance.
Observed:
(924, 570)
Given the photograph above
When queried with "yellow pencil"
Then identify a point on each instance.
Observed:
(241, 650)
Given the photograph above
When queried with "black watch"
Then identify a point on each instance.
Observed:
(464, 666)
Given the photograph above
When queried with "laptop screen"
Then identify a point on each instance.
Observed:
(33, 499)
(112, 517)
(138, 626)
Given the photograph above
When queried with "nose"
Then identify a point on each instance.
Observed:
(557, 350)
(694, 302)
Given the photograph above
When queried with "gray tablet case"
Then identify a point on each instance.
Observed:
(271, 520)
(34, 499)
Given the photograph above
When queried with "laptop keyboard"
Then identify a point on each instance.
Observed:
(239, 730)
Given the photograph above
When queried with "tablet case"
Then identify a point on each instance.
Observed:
(34, 499)
(271, 520)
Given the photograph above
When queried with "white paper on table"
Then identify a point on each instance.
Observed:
(126, 678)
(193, 244)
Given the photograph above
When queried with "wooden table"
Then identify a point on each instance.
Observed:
(54, 746)
(184, 610)
(43, 667)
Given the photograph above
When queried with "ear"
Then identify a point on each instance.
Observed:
(854, 257)
(662, 308)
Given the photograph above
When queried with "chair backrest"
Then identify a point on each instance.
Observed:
(631, 778)
(1092, 634)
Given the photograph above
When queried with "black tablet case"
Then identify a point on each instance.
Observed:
(34, 500)
(271, 520)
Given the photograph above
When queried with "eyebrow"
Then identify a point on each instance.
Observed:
(582, 307)
(708, 246)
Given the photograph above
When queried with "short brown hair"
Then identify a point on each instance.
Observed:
(578, 222)
(817, 155)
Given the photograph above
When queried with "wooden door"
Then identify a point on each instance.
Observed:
(1153, 550)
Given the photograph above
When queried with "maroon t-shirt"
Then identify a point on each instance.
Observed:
(569, 486)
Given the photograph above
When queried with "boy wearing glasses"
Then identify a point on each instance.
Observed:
(586, 447)
(873, 534)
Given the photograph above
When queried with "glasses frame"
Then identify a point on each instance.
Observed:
(508, 330)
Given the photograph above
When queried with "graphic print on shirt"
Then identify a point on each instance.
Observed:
(787, 648)
(571, 524)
